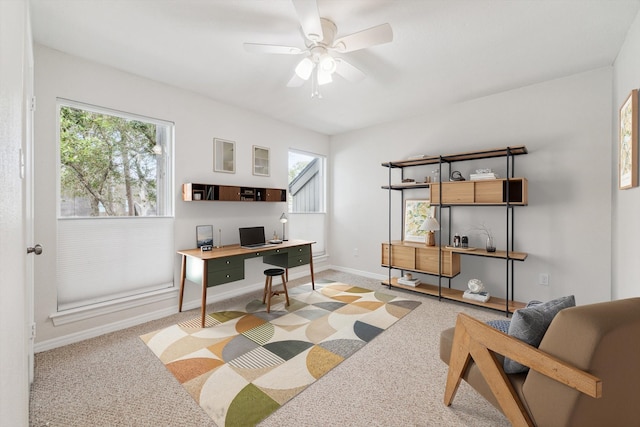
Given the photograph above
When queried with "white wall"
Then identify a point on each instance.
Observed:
(626, 203)
(566, 127)
(197, 121)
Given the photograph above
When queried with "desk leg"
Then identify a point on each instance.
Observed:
(204, 291)
(183, 275)
(313, 282)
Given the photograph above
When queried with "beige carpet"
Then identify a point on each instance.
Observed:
(114, 380)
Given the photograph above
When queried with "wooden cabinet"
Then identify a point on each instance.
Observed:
(192, 192)
(421, 258)
(489, 192)
(443, 261)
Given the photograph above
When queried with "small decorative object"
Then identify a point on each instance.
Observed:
(430, 225)
(476, 291)
(475, 285)
(283, 220)
(415, 214)
(456, 241)
(219, 238)
(260, 161)
(197, 194)
(464, 242)
(628, 150)
(435, 175)
(224, 156)
(204, 235)
(456, 176)
(408, 276)
(206, 248)
(487, 232)
(490, 246)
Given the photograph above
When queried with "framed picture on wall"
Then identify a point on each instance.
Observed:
(415, 213)
(224, 156)
(628, 149)
(260, 161)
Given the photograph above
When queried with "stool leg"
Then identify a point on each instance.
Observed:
(284, 285)
(269, 281)
(264, 293)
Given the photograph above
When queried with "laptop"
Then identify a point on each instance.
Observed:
(253, 237)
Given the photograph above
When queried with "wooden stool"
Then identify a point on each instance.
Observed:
(268, 291)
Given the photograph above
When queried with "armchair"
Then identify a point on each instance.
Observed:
(585, 372)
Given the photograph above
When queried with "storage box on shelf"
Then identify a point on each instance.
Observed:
(192, 192)
(415, 257)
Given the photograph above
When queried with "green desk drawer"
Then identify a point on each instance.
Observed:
(224, 263)
(299, 256)
(225, 276)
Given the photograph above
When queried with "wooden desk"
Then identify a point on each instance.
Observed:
(226, 264)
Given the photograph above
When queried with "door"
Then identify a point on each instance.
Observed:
(15, 306)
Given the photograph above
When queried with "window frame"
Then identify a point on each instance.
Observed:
(166, 168)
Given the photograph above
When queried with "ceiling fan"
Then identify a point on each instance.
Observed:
(319, 62)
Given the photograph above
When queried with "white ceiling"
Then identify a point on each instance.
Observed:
(443, 52)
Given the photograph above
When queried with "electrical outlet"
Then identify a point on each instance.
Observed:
(543, 279)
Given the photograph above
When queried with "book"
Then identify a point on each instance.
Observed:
(481, 176)
(479, 296)
(407, 282)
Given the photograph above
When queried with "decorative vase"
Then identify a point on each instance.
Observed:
(490, 245)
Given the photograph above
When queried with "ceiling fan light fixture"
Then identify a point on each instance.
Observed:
(304, 69)
(327, 64)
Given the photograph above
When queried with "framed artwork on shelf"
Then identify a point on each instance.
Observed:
(224, 156)
(260, 161)
(628, 149)
(204, 235)
(415, 213)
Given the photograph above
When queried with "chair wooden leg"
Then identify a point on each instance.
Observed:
(269, 282)
(286, 294)
(264, 293)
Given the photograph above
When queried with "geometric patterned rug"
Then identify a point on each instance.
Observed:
(246, 363)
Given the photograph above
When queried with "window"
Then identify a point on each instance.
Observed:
(112, 164)
(307, 183)
(115, 217)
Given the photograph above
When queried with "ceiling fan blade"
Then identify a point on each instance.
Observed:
(309, 16)
(295, 81)
(379, 34)
(348, 71)
(271, 48)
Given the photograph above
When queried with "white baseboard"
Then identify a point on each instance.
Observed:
(153, 315)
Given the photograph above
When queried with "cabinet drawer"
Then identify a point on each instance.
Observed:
(224, 263)
(401, 256)
(297, 260)
(225, 276)
(452, 192)
(427, 261)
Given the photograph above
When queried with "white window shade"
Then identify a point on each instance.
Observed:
(103, 259)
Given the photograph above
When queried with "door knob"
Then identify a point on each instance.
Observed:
(37, 249)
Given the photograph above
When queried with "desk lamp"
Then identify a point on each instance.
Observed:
(430, 225)
(283, 220)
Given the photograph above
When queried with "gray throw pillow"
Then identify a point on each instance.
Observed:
(530, 324)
